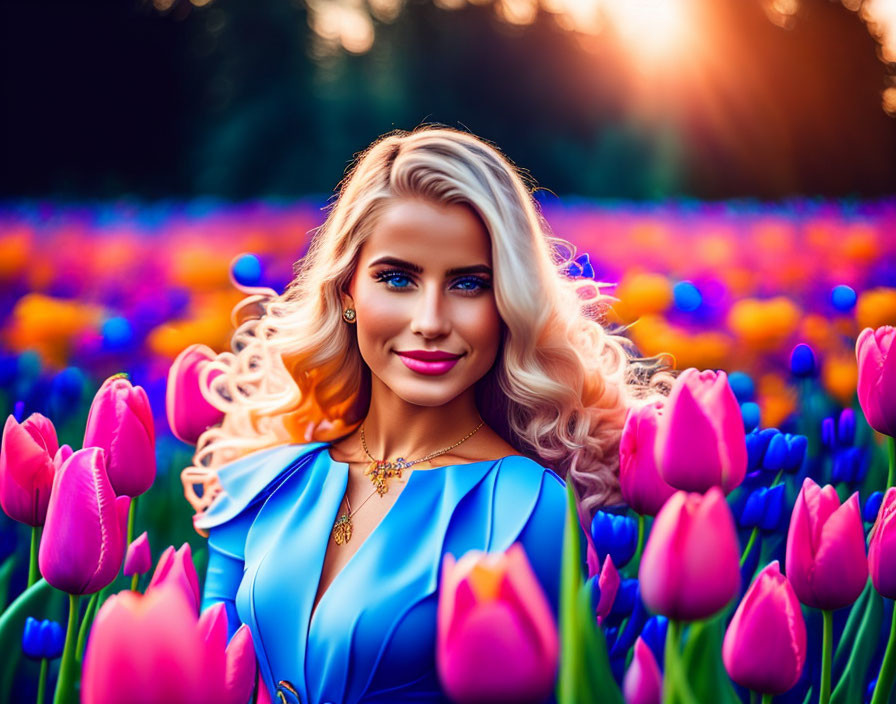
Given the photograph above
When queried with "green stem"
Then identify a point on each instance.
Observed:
(134, 578)
(750, 543)
(766, 699)
(891, 455)
(42, 681)
(884, 685)
(67, 668)
(33, 568)
(777, 478)
(824, 693)
(676, 687)
(754, 698)
(85, 625)
(132, 520)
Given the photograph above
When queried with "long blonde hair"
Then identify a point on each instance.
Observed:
(562, 383)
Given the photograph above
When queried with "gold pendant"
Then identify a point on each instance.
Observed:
(381, 471)
(342, 529)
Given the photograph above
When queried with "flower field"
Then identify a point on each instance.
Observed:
(755, 556)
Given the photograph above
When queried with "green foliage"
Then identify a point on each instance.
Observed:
(585, 674)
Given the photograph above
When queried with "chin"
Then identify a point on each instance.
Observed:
(428, 398)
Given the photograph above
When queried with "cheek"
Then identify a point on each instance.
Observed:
(483, 327)
(379, 313)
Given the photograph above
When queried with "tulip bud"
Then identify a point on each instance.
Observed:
(882, 547)
(765, 644)
(120, 422)
(27, 469)
(608, 582)
(138, 559)
(877, 378)
(643, 683)
(189, 413)
(177, 568)
(497, 639)
(872, 507)
(826, 561)
(82, 544)
(678, 578)
(700, 434)
(42, 639)
(639, 479)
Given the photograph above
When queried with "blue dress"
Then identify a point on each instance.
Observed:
(373, 634)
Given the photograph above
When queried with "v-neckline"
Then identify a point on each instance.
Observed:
(346, 469)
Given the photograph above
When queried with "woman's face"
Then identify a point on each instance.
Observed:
(427, 323)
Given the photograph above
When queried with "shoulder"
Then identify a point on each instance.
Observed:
(248, 480)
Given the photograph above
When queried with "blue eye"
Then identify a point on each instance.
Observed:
(394, 279)
(472, 284)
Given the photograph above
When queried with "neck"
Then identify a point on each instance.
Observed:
(395, 428)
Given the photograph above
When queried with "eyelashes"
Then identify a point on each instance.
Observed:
(397, 280)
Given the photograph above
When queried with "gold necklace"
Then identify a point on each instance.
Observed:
(382, 472)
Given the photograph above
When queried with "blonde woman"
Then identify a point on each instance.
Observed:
(423, 387)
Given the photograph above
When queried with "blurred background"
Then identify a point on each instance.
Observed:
(728, 165)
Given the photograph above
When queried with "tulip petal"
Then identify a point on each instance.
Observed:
(240, 667)
(81, 548)
(765, 644)
(841, 567)
(643, 683)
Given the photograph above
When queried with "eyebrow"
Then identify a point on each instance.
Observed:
(401, 263)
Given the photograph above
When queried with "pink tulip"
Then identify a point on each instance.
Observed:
(82, 544)
(882, 547)
(690, 566)
(639, 479)
(877, 377)
(120, 422)
(27, 469)
(152, 648)
(700, 439)
(643, 683)
(189, 414)
(177, 568)
(765, 644)
(826, 561)
(497, 639)
(138, 559)
(239, 655)
(608, 582)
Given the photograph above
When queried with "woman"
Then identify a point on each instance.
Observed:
(403, 400)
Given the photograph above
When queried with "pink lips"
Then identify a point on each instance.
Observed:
(428, 362)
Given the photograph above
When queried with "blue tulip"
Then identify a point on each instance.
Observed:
(247, 270)
(595, 592)
(614, 535)
(757, 444)
(42, 639)
(850, 465)
(686, 297)
(846, 427)
(872, 507)
(749, 412)
(774, 510)
(828, 433)
(785, 452)
(802, 361)
(742, 385)
(843, 298)
(624, 603)
(654, 634)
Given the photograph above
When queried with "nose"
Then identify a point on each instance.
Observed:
(431, 317)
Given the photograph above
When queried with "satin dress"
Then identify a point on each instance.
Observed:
(372, 638)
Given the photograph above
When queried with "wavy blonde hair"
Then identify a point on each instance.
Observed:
(561, 385)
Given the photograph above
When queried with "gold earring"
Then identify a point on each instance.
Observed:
(348, 315)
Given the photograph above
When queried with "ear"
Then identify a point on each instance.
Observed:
(347, 301)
